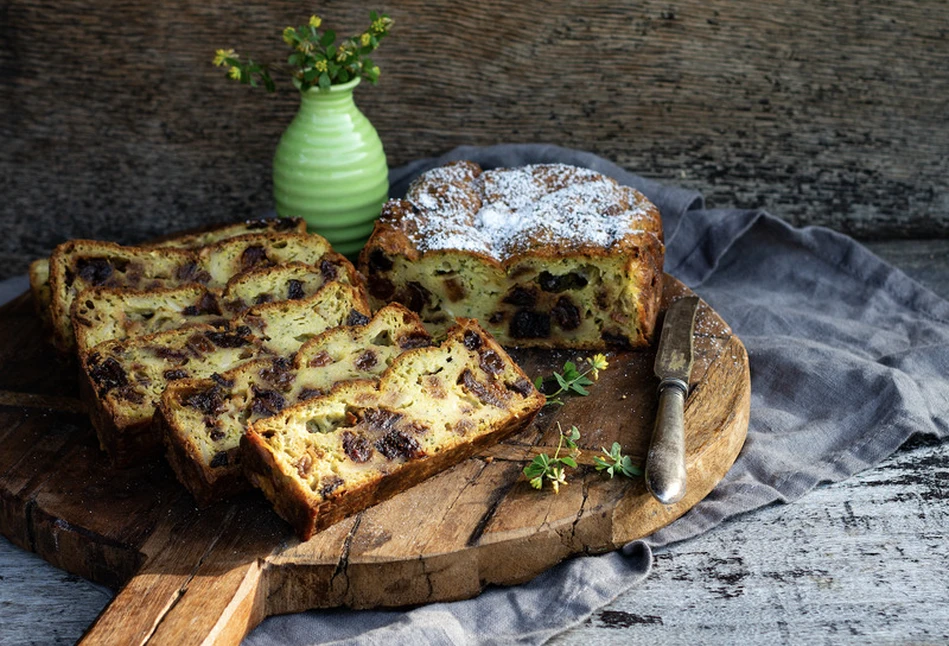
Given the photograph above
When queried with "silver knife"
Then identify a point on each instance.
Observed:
(665, 462)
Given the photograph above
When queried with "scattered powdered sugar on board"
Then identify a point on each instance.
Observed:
(509, 210)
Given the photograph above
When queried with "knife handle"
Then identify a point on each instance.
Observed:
(665, 462)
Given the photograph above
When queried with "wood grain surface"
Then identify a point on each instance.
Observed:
(214, 574)
(116, 126)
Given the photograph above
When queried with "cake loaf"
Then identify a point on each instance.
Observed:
(81, 264)
(39, 269)
(328, 457)
(122, 381)
(107, 313)
(203, 419)
(545, 255)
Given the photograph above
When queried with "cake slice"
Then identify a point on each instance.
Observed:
(284, 326)
(546, 255)
(107, 313)
(203, 419)
(104, 314)
(122, 381)
(39, 269)
(78, 265)
(328, 457)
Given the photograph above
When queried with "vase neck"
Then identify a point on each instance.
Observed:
(335, 97)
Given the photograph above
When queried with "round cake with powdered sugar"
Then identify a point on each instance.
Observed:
(546, 255)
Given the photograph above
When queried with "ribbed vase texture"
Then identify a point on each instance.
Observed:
(330, 168)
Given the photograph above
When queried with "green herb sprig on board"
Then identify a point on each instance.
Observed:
(544, 468)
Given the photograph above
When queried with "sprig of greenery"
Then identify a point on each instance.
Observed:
(571, 380)
(316, 60)
(617, 464)
(552, 468)
(542, 467)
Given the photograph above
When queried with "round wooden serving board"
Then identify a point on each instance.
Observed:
(209, 576)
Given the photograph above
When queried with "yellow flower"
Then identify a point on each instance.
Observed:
(288, 34)
(320, 66)
(221, 55)
(315, 22)
(341, 53)
(365, 39)
(380, 25)
(234, 73)
(598, 363)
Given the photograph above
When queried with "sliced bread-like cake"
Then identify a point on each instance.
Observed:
(122, 381)
(547, 255)
(39, 269)
(328, 457)
(108, 313)
(81, 264)
(204, 419)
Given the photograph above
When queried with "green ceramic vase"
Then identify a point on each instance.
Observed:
(330, 168)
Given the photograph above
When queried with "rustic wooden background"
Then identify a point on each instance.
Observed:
(115, 125)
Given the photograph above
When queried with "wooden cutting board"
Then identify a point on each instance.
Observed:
(209, 576)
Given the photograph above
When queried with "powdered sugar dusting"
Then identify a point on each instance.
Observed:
(506, 211)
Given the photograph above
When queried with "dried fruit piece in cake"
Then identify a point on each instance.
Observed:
(545, 255)
(202, 447)
(105, 313)
(78, 265)
(365, 441)
(39, 269)
(122, 381)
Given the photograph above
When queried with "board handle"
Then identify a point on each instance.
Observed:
(157, 609)
(202, 584)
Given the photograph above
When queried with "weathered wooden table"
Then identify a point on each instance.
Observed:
(862, 561)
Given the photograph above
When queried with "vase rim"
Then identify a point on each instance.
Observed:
(338, 87)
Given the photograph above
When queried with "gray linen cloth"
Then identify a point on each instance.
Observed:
(849, 358)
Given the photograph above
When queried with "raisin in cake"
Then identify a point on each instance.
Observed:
(122, 381)
(81, 264)
(545, 255)
(39, 269)
(107, 313)
(203, 419)
(326, 458)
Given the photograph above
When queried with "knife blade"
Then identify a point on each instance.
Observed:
(665, 462)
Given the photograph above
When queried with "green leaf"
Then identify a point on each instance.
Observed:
(574, 433)
(325, 80)
(569, 461)
(539, 383)
(580, 390)
(561, 380)
(331, 51)
(328, 38)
